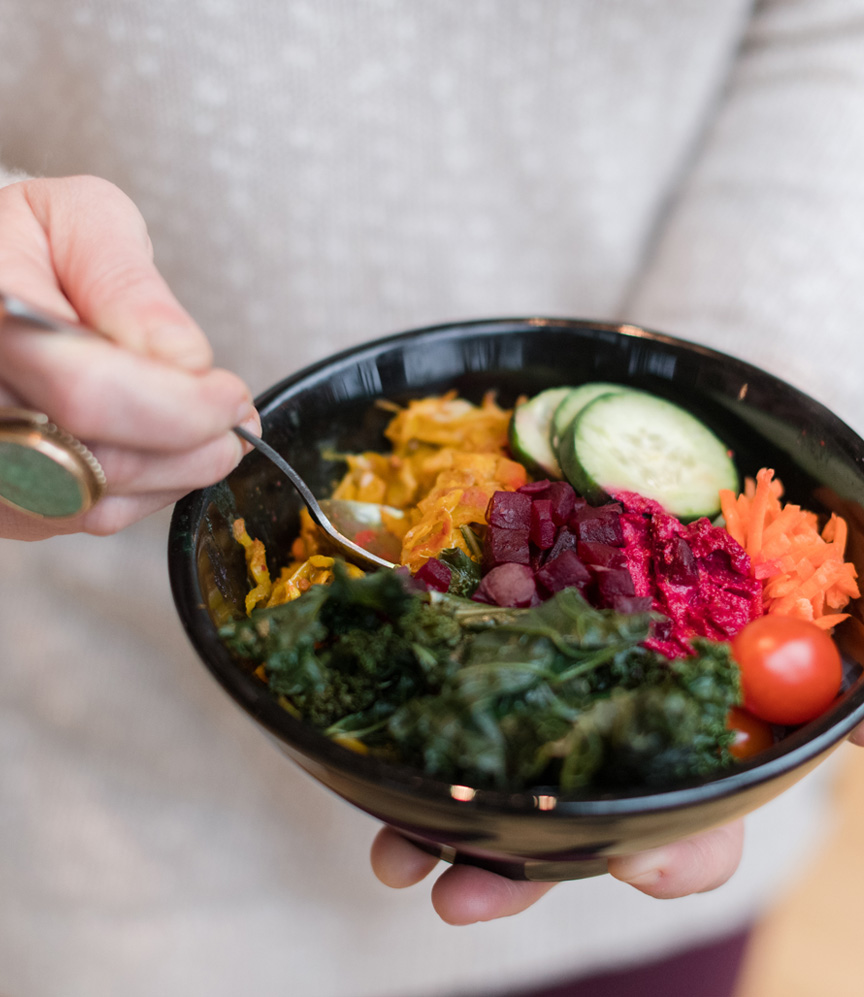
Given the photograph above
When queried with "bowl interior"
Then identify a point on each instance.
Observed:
(314, 416)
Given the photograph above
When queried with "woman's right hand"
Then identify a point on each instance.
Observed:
(143, 395)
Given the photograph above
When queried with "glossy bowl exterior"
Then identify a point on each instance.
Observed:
(329, 408)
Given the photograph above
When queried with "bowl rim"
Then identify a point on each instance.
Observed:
(806, 744)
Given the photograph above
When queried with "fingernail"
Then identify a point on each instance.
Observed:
(247, 416)
(252, 422)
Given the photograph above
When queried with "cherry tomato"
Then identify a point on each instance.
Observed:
(790, 669)
(752, 735)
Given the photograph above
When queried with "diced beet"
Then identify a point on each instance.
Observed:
(507, 585)
(601, 554)
(678, 563)
(564, 540)
(434, 575)
(696, 575)
(662, 629)
(601, 524)
(543, 527)
(536, 489)
(563, 571)
(511, 510)
(630, 603)
(503, 546)
(586, 511)
(537, 559)
(612, 582)
(563, 499)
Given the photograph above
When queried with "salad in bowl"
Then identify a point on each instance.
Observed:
(625, 608)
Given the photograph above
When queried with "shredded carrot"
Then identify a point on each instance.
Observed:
(829, 621)
(803, 570)
(758, 511)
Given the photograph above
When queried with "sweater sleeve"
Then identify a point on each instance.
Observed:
(761, 251)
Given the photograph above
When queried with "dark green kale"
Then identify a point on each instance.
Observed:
(564, 694)
(465, 572)
(669, 729)
(347, 655)
(525, 675)
(561, 693)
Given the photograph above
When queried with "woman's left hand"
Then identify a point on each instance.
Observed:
(463, 894)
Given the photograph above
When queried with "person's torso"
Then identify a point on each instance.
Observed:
(314, 174)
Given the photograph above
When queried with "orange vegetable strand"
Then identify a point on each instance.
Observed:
(803, 571)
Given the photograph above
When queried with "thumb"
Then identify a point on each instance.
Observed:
(692, 865)
(92, 241)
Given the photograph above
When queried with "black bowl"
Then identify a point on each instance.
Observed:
(327, 409)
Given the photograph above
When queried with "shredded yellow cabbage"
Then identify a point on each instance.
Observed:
(449, 457)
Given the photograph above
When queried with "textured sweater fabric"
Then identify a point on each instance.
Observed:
(315, 173)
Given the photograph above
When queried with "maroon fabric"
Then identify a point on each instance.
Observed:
(705, 971)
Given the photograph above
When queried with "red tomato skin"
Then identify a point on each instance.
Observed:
(791, 670)
(752, 735)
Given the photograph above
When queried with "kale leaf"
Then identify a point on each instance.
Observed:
(564, 693)
(464, 572)
(559, 694)
(347, 655)
(669, 729)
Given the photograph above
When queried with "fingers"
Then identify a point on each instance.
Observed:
(80, 245)
(857, 736)
(140, 391)
(398, 863)
(81, 241)
(26, 262)
(115, 513)
(104, 394)
(140, 484)
(693, 865)
(133, 472)
(108, 516)
(461, 894)
(464, 894)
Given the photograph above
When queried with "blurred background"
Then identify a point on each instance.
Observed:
(810, 944)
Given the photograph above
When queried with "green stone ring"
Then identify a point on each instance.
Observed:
(44, 471)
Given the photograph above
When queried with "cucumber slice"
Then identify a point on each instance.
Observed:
(573, 403)
(637, 442)
(530, 429)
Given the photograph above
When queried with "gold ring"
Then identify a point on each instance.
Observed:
(44, 471)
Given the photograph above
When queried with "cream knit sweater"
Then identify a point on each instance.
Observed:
(315, 173)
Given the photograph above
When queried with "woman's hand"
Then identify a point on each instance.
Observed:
(463, 894)
(143, 395)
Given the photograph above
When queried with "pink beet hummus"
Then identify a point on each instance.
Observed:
(695, 574)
